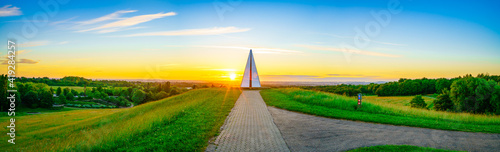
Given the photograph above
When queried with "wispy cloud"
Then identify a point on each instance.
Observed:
(114, 26)
(118, 29)
(63, 42)
(346, 50)
(112, 16)
(246, 48)
(205, 31)
(25, 61)
(63, 21)
(7, 10)
(34, 43)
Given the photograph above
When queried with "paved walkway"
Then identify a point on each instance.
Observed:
(249, 127)
(311, 133)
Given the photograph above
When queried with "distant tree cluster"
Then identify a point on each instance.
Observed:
(474, 95)
(3, 93)
(36, 93)
(75, 81)
(343, 89)
(405, 87)
(479, 94)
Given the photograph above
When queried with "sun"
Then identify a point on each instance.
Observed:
(232, 76)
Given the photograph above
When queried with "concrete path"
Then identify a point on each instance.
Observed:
(249, 127)
(311, 133)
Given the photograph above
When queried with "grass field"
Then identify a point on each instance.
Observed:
(398, 100)
(21, 111)
(183, 122)
(336, 106)
(398, 148)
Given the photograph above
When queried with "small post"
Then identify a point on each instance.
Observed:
(359, 100)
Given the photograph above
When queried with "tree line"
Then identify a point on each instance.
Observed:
(35, 93)
(480, 94)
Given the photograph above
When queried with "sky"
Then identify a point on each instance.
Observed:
(343, 40)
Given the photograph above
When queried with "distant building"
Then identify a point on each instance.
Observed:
(250, 77)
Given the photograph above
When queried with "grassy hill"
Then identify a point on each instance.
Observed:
(183, 122)
(377, 111)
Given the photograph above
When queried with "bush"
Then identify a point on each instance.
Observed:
(70, 96)
(161, 95)
(443, 101)
(31, 99)
(138, 96)
(418, 102)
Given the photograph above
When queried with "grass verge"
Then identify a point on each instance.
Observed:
(341, 107)
(184, 122)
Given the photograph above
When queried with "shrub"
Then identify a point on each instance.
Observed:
(70, 96)
(443, 101)
(418, 102)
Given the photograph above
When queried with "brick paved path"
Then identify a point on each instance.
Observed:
(249, 127)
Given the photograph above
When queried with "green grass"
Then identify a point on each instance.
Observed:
(184, 122)
(398, 100)
(398, 148)
(22, 111)
(341, 107)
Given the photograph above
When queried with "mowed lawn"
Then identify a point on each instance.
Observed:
(377, 111)
(184, 122)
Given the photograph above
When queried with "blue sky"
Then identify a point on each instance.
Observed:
(293, 40)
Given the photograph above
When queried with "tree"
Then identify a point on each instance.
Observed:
(62, 99)
(70, 97)
(443, 101)
(123, 102)
(5, 103)
(74, 91)
(174, 91)
(418, 102)
(194, 86)
(149, 96)
(138, 97)
(495, 100)
(166, 87)
(161, 95)
(442, 83)
(58, 91)
(31, 99)
(116, 91)
(473, 95)
(46, 99)
(66, 91)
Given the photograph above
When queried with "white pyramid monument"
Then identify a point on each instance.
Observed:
(250, 77)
